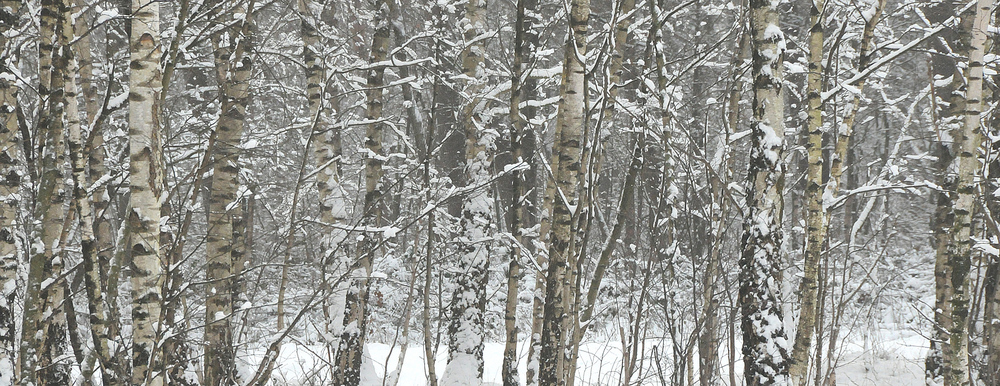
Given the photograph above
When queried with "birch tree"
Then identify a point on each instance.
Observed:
(10, 181)
(815, 213)
(350, 349)
(566, 166)
(990, 374)
(765, 345)
(327, 156)
(466, 332)
(959, 92)
(522, 145)
(967, 137)
(145, 185)
(234, 66)
(43, 334)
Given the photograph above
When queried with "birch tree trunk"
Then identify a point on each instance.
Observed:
(96, 268)
(990, 374)
(350, 349)
(957, 125)
(327, 155)
(467, 329)
(10, 182)
(619, 39)
(234, 66)
(566, 167)
(146, 172)
(81, 200)
(967, 138)
(815, 214)
(43, 333)
(765, 346)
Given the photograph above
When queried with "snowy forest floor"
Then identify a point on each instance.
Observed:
(890, 358)
(883, 343)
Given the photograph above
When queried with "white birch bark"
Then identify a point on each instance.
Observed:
(564, 199)
(815, 213)
(234, 67)
(145, 185)
(43, 329)
(968, 138)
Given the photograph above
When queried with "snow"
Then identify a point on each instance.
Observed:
(890, 356)
(772, 32)
(106, 14)
(769, 142)
(118, 100)
(6, 371)
(462, 370)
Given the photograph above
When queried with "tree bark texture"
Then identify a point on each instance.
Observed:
(467, 328)
(10, 181)
(815, 213)
(566, 167)
(957, 125)
(146, 172)
(765, 345)
(44, 327)
(350, 349)
(234, 66)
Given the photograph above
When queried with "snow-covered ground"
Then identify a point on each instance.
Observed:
(883, 358)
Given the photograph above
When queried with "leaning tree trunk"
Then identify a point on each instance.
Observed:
(146, 185)
(765, 346)
(467, 329)
(234, 67)
(10, 181)
(350, 349)
(566, 166)
(44, 327)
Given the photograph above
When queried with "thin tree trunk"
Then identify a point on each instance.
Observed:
(350, 349)
(103, 323)
(176, 350)
(327, 154)
(990, 375)
(234, 66)
(78, 158)
(10, 182)
(566, 164)
(429, 347)
(619, 40)
(708, 341)
(43, 334)
(815, 214)
(522, 146)
(765, 346)
(522, 113)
